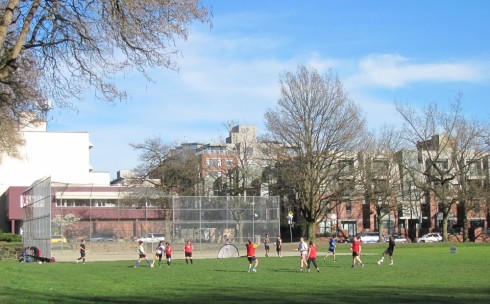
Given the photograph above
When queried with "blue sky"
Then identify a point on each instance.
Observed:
(415, 52)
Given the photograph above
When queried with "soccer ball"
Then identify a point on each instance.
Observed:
(40, 262)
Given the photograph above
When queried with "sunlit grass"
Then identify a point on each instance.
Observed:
(421, 274)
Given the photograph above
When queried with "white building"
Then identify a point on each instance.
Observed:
(62, 155)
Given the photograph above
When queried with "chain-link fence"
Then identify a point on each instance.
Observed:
(112, 219)
(36, 202)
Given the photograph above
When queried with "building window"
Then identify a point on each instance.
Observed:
(348, 207)
(213, 162)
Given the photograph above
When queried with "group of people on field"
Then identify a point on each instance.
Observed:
(308, 252)
(161, 250)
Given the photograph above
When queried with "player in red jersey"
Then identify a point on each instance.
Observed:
(188, 251)
(356, 252)
(168, 253)
(251, 255)
(312, 257)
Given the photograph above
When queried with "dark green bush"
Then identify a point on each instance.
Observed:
(10, 237)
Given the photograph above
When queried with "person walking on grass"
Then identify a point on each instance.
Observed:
(303, 249)
(266, 245)
(279, 246)
(188, 251)
(251, 255)
(312, 257)
(159, 254)
(82, 252)
(332, 245)
(389, 251)
(168, 253)
(356, 252)
(142, 255)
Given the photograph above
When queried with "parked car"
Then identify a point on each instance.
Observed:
(56, 239)
(103, 237)
(369, 237)
(429, 238)
(399, 239)
(152, 238)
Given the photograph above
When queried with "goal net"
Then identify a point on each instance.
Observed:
(228, 251)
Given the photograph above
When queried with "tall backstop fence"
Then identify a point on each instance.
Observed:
(36, 228)
(110, 219)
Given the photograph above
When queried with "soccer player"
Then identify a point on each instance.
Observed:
(312, 257)
(389, 251)
(142, 255)
(188, 251)
(159, 254)
(279, 246)
(251, 255)
(303, 249)
(356, 252)
(332, 244)
(168, 253)
(82, 252)
(266, 245)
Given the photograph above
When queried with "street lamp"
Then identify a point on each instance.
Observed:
(253, 220)
(290, 222)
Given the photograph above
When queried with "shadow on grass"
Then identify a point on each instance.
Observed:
(240, 294)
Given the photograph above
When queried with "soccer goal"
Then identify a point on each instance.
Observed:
(228, 251)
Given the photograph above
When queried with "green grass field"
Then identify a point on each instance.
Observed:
(423, 273)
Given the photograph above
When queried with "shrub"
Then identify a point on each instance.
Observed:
(10, 237)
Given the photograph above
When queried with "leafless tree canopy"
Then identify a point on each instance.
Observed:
(87, 42)
(170, 172)
(448, 144)
(57, 49)
(19, 93)
(315, 118)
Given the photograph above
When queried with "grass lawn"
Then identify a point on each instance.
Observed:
(423, 273)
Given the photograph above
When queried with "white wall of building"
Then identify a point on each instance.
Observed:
(62, 155)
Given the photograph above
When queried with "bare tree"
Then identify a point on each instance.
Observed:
(166, 169)
(447, 144)
(73, 45)
(87, 42)
(21, 103)
(317, 120)
(379, 175)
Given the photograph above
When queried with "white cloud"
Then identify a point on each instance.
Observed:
(395, 71)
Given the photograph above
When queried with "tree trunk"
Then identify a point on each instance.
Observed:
(311, 230)
(444, 227)
(465, 229)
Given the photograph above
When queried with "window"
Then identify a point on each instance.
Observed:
(213, 162)
(475, 169)
(348, 207)
(380, 166)
(346, 167)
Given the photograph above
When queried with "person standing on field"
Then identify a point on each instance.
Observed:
(332, 245)
(251, 255)
(266, 245)
(389, 251)
(159, 254)
(188, 251)
(303, 249)
(142, 255)
(312, 257)
(82, 252)
(356, 252)
(279, 246)
(168, 253)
